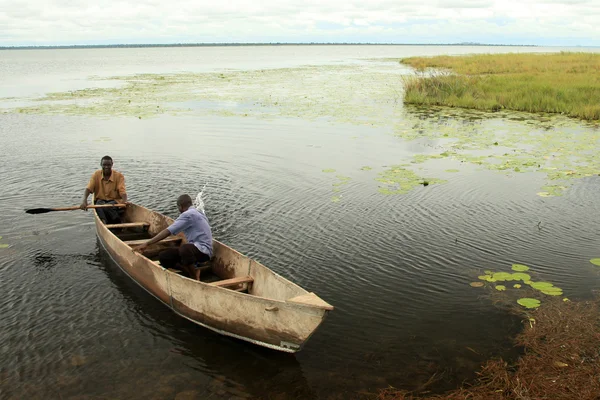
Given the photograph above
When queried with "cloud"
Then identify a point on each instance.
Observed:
(38, 22)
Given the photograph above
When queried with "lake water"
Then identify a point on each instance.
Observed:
(264, 127)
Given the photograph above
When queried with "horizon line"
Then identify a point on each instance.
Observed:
(218, 44)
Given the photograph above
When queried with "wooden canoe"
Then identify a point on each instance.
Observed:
(245, 300)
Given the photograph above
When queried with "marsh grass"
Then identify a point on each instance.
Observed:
(566, 83)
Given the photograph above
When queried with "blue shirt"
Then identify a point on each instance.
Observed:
(195, 227)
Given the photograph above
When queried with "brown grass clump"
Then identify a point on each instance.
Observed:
(561, 360)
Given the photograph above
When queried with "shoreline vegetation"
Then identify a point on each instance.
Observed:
(134, 45)
(561, 359)
(564, 83)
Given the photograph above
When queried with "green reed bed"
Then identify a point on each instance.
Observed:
(566, 83)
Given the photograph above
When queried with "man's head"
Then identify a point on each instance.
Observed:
(106, 163)
(184, 202)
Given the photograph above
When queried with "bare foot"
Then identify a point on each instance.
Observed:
(197, 272)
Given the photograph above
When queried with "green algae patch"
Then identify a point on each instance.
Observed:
(399, 180)
(529, 302)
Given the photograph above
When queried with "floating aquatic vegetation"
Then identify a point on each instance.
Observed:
(503, 276)
(547, 288)
(520, 267)
(595, 261)
(517, 286)
(359, 94)
(541, 285)
(342, 180)
(4, 245)
(553, 291)
(366, 168)
(452, 170)
(477, 284)
(500, 288)
(399, 180)
(521, 276)
(529, 302)
(328, 170)
(337, 186)
(488, 272)
(487, 278)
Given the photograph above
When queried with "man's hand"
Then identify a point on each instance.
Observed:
(84, 206)
(123, 202)
(141, 248)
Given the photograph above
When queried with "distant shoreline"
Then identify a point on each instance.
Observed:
(119, 46)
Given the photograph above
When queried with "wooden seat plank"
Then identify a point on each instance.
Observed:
(233, 281)
(142, 241)
(128, 225)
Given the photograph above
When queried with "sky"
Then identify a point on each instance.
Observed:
(519, 22)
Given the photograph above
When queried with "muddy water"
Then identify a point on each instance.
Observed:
(397, 267)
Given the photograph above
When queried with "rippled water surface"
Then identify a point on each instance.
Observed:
(396, 267)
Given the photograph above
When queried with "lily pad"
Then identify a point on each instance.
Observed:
(503, 276)
(488, 278)
(500, 287)
(489, 272)
(565, 299)
(4, 246)
(553, 291)
(335, 199)
(529, 303)
(517, 286)
(520, 267)
(541, 285)
(366, 168)
(452, 170)
(477, 284)
(520, 276)
(329, 170)
(595, 261)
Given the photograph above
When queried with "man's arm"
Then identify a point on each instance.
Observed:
(91, 186)
(179, 225)
(122, 191)
(86, 194)
(162, 235)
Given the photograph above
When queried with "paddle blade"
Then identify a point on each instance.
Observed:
(38, 210)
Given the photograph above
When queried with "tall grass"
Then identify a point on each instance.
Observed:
(567, 83)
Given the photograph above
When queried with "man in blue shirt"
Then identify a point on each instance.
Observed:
(196, 229)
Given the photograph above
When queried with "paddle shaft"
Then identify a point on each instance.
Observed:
(90, 206)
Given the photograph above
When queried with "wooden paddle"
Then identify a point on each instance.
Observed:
(45, 210)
